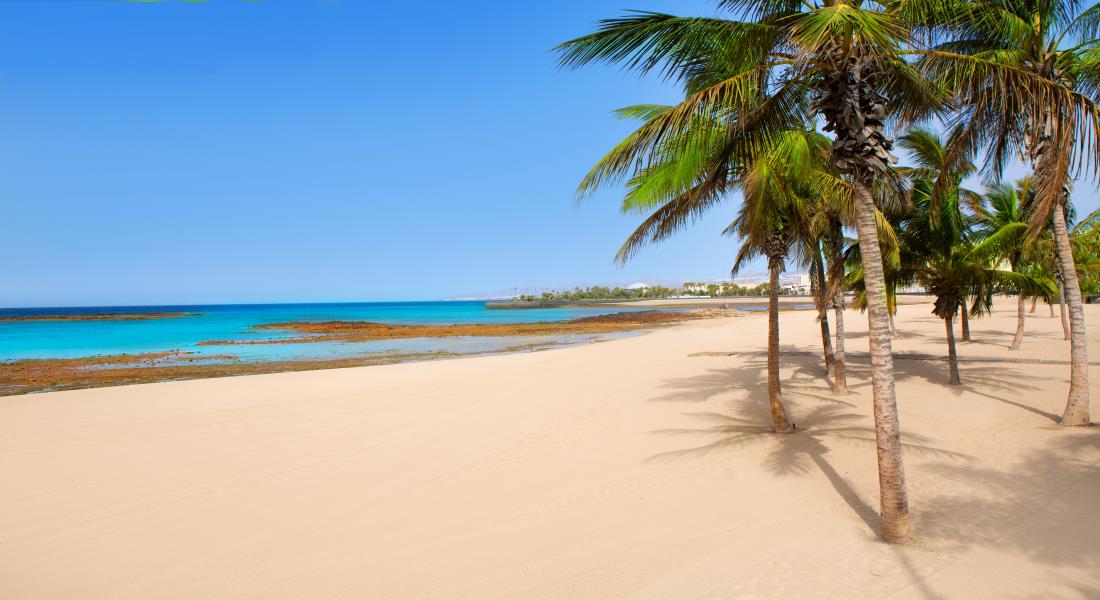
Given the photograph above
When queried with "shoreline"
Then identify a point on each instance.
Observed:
(43, 375)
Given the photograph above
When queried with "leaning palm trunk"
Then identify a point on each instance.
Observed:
(1019, 337)
(965, 323)
(1062, 308)
(836, 285)
(893, 499)
(1077, 404)
(817, 284)
(952, 355)
(780, 422)
(1031, 310)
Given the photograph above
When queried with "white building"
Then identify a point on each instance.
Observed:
(792, 283)
(795, 283)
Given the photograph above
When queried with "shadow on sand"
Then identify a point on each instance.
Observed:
(797, 454)
(988, 516)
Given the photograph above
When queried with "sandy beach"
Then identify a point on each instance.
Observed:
(634, 468)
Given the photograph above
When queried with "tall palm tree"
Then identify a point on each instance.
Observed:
(771, 222)
(844, 60)
(1027, 75)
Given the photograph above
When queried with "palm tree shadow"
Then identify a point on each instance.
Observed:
(797, 454)
(993, 502)
(807, 380)
(1019, 506)
(983, 381)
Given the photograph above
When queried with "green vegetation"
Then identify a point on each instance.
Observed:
(599, 292)
(699, 289)
(725, 290)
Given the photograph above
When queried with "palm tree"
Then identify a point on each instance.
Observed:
(771, 223)
(940, 259)
(1003, 221)
(825, 249)
(929, 152)
(958, 272)
(844, 60)
(772, 218)
(1027, 75)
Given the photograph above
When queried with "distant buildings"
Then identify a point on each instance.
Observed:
(789, 283)
(797, 284)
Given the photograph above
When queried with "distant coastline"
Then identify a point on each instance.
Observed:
(97, 317)
(52, 374)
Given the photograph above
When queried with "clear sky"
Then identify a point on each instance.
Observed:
(315, 150)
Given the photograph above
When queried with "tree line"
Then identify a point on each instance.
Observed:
(599, 292)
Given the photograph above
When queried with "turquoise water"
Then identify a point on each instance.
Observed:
(74, 339)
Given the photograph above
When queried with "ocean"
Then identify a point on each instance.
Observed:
(77, 339)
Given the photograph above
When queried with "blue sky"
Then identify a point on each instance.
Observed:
(315, 150)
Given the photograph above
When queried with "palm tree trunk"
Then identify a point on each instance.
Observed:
(952, 355)
(1031, 310)
(893, 497)
(780, 422)
(836, 285)
(1050, 305)
(817, 284)
(890, 315)
(1062, 309)
(840, 375)
(1019, 337)
(965, 323)
(1077, 404)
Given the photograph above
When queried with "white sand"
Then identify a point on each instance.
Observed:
(619, 469)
